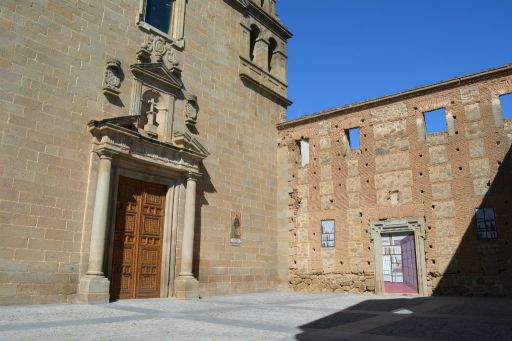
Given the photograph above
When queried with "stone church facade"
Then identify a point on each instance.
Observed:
(145, 153)
(131, 131)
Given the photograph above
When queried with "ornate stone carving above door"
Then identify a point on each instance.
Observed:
(156, 87)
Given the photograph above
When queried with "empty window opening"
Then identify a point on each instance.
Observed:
(304, 152)
(485, 223)
(262, 3)
(353, 138)
(506, 105)
(327, 233)
(435, 121)
(255, 32)
(271, 49)
(158, 13)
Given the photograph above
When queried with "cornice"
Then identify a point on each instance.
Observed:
(281, 100)
(415, 92)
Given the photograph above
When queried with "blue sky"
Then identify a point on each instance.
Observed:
(345, 51)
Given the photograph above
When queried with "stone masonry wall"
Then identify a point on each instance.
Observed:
(400, 171)
(52, 62)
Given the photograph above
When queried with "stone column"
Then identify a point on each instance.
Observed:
(245, 41)
(100, 217)
(94, 286)
(136, 97)
(261, 53)
(186, 286)
(278, 69)
(273, 8)
(178, 19)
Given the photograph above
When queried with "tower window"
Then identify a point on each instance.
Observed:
(271, 49)
(435, 121)
(158, 13)
(255, 32)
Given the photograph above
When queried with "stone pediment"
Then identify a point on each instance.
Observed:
(122, 136)
(157, 62)
(159, 73)
(185, 140)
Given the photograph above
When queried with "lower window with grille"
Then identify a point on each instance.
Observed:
(485, 223)
(327, 233)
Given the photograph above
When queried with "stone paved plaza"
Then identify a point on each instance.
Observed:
(266, 316)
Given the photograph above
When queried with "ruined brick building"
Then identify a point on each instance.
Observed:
(382, 203)
(145, 153)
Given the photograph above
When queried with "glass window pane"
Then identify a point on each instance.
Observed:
(479, 213)
(489, 214)
(158, 14)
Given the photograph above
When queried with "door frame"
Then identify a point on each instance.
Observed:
(416, 226)
(174, 185)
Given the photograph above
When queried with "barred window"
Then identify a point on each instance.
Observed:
(327, 233)
(485, 223)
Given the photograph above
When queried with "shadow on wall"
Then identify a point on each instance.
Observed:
(204, 185)
(482, 263)
(421, 318)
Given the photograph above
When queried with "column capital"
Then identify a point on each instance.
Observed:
(193, 176)
(105, 153)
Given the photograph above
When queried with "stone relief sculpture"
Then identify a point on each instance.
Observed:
(112, 77)
(156, 87)
(157, 50)
(149, 111)
(191, 109)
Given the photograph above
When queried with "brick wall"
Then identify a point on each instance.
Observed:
(399, 171)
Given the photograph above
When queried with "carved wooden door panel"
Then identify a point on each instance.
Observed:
(150, 240)
(138, 236)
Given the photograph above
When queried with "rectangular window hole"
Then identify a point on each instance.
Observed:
(353, 138)
(328, 233)
(304, 152)
(435, 121)
(506, 105)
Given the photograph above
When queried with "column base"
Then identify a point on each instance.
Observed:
(186, 287)
(93, 290)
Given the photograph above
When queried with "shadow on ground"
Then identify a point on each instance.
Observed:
(422, 318)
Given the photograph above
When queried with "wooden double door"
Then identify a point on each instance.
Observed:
(138, 238)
